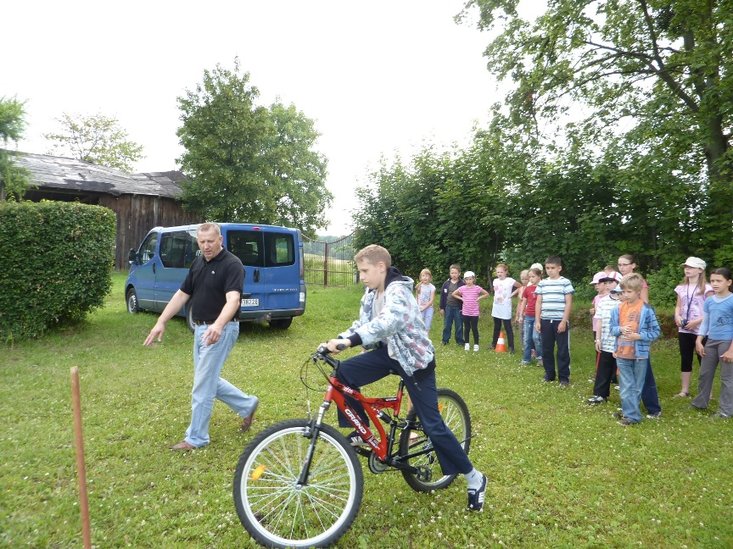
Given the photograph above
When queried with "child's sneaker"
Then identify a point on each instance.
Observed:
(595, 399)
(475, 348)
(476, 497)
(467, 347)
(356, 441)
(523, 363)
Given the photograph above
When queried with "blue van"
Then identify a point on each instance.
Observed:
(274, 288)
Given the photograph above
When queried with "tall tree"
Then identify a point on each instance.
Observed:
(662, 68)
(13, 179)
(248, 162)
(96, 139)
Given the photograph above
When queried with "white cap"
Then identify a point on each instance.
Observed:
(598, 276)
(536, 266)
(469, 274)
(694, 262)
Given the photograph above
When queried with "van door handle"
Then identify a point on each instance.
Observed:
(257, 275)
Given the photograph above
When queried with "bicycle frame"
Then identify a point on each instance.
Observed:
(374, 407)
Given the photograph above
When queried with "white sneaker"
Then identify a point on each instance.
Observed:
(467, 346)
(475, 348)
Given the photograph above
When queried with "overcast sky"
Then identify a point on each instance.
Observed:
(377, 77)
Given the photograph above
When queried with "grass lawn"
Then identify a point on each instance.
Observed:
(563, 473)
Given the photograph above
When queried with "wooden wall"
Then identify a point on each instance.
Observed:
(137, 214)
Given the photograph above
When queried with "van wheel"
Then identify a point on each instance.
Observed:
(132, 304)
(281, 323)
(189, 319)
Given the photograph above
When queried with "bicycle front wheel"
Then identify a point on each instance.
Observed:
(275, 509)
(455, 415)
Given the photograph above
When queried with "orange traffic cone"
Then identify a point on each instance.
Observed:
(500, 345)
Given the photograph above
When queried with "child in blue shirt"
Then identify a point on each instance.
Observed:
(717, 325)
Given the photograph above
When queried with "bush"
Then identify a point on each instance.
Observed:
(56, 266)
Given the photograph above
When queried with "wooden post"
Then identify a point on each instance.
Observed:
(80, 467)
(325, 264)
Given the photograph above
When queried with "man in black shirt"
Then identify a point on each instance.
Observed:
(214, 286)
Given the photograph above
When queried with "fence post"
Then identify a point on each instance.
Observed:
(325, 265)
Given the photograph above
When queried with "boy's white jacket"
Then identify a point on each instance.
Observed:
(399, 325)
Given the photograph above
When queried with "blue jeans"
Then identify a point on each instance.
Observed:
(208, 361)
(371, 366)
(532, 340)
(631, 379)
(649, 393)
(453, 316)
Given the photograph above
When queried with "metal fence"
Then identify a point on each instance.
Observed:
(330, 263)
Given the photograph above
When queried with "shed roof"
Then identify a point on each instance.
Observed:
(69, 174)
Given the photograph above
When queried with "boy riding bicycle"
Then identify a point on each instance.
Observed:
(391, 329)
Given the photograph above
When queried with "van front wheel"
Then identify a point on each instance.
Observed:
(281, 323)
(132, 304)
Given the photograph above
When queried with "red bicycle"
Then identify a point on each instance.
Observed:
(299, 482)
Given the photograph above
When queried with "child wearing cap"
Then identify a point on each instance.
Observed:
(688, 315)
(470, 294)
(605, 343)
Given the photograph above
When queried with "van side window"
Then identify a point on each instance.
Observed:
(177, 250)
(147, 248)
(247, 246)
(280, 249)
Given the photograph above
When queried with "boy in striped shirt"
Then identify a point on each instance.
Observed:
(552, 320)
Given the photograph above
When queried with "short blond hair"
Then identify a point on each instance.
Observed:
(633, 282)
(374, 254)
(427, 272)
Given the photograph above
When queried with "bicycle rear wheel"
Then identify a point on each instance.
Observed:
(274, 509)
(456, 417)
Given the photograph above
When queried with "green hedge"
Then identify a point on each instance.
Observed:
(56, 260)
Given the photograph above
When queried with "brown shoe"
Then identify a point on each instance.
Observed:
(183, 446)
(247, 422)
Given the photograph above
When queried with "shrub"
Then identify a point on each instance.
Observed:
(56, 264)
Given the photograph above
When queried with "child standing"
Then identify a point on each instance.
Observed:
(649, 393)
(691, 294)
(635, 326)
(505, 288)
(526, 315)
(425, 293)
(552, 320)
(523, 281)
(605, 345)
(717, 325)
(470, 294)
(450, 307)
(601, 286)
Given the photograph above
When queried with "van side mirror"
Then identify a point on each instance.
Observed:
(133, 258)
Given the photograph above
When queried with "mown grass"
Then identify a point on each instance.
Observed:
(563, 473)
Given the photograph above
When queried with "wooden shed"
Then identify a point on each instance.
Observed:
(140, 201)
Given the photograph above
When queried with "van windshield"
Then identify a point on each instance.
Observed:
(262, 248)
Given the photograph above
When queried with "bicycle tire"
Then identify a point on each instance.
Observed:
(455, 414)
(277, 513)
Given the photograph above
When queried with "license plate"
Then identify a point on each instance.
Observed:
(254, 302)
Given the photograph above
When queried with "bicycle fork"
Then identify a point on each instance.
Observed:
(312, 433)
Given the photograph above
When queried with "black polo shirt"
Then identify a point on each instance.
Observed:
(208, 282)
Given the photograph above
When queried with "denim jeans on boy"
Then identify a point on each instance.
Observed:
(453, 316)
(207, 385)
(550, 337)
(371, 366)
(631, 379)
(649, 393)
(532, 340)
